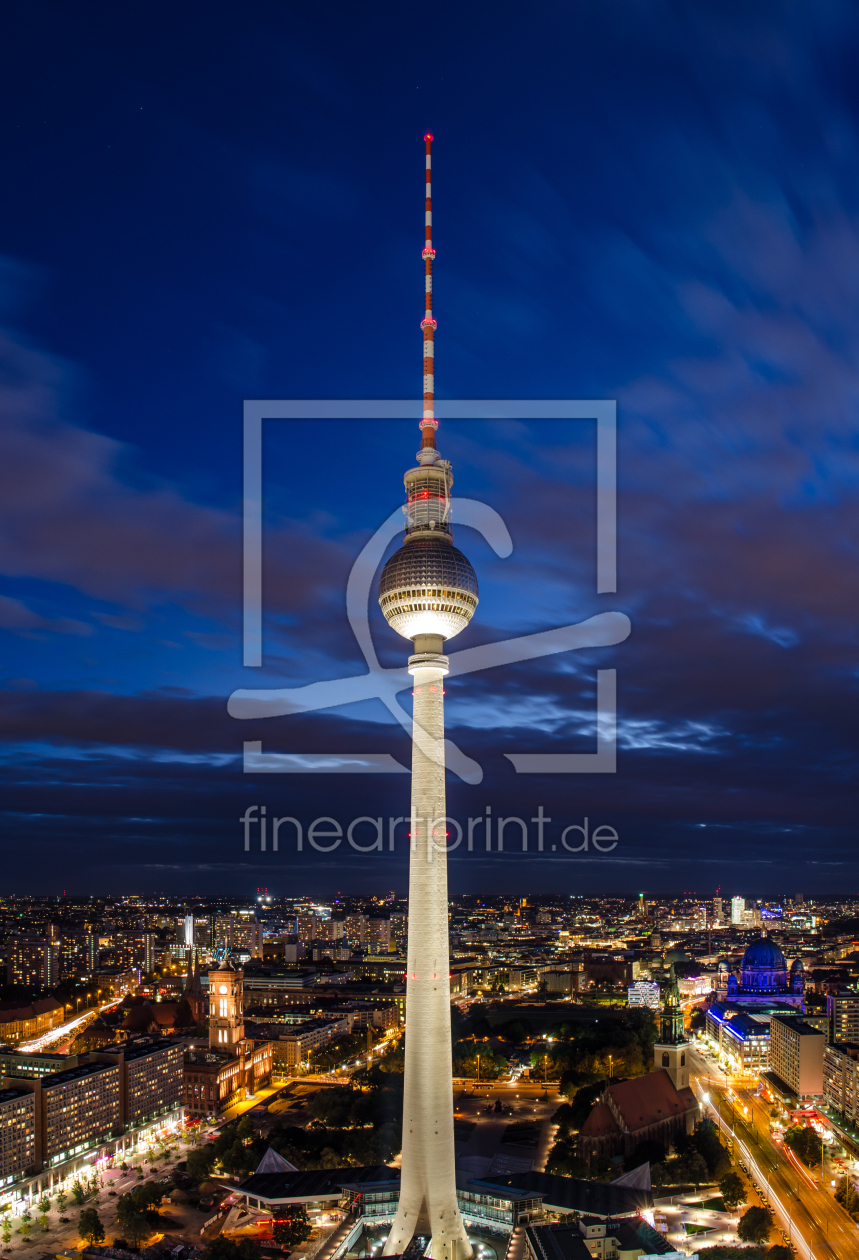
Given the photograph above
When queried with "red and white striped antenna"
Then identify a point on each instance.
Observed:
(428, 424)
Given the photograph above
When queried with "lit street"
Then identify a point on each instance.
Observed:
(816, 1225)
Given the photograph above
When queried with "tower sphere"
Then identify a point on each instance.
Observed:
(428, 587)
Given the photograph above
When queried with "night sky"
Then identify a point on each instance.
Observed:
(204, 203)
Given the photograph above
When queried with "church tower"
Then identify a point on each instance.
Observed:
(226, 1007)
(671, 1049)
(193, 991)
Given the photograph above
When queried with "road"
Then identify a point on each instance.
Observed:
(816, 1225)
(65, 1032)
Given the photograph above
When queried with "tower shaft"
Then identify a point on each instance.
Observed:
(428, 1182)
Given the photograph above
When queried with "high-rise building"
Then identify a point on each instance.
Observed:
(842, 1010)
(17, 1131)
(428, 593)
(80, 1102)
(796, 1054)
(80, 953)
(738, 905)
(306, 927)
(240, 932)
(33, 960)
(356, 929)
(378, 934)
(841, 1080)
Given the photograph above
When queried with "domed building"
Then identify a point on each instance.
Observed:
(764, 977)
(738, 1021)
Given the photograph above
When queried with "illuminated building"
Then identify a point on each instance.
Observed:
(234, 1066)
(81, 1106)
(33, 960)
(841, 1080)
(796, 1055)
(764, 978)
(643, 993)
(240, 933)
(17, 1133)
(24, 1021)
(743, 1035)
(842, 1010)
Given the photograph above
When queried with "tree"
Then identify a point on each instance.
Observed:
(239, 1159)
(78, 1192)
(131, 1217)
(691, 1167)
(150, 1195)
(200, 1162)
(6, 1229)
(847, 1195)
(755, 1225)
(90, 1227)
(245, 1131)
(732, 1190)
(290, 1231)
(564, 1160)
(804, 1142)
(706, 1141)
(647, 1152)
(221, 1248)
(61, 1200)
(584, 1099)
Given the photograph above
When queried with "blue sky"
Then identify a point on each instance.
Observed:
(649, 202)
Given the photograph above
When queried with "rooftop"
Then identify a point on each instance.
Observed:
(570, 1194)
(798, 1024)
(9, 1095)
(317, 1183)
(557, 1242)
(76, 1073)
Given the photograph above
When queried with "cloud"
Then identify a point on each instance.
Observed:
(68, 517)
(16, 616)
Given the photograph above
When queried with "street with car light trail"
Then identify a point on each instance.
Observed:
(816, 1225)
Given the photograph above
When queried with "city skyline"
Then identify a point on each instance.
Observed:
(219, 238)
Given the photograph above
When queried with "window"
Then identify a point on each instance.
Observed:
(683, 1058)
(665, 1058)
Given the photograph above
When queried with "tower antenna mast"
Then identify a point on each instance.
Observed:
(429, 424)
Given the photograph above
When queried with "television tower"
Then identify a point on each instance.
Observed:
(428, 593)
